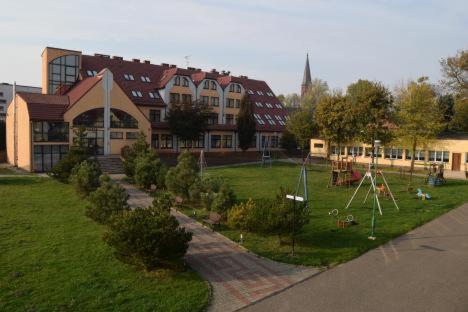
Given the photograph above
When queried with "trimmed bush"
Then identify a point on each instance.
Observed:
(85, 177)
(163, 201)
(130, 154)
(180, 178)
(107, 200)
(148, 238)
(149, 170)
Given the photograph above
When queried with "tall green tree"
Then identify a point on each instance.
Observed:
(317, 89)
(302, 126)
(418, 117)
(335, 119)
(245, 123)
(371, 103)
(291, 100)
(188, 121)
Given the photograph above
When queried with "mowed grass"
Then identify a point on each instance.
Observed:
(321, 242)
(52, 258)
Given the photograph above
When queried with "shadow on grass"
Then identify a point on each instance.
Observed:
(18, 181)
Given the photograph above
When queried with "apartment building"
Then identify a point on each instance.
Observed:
(6, 94)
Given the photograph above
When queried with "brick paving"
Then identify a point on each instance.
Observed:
(238, 277)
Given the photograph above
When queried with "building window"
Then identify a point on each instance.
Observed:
(229, 119)
(177, 81)
(200, 143)
(259, 119)
(46, 156)
(354, 150)
(44, 131)
(206, 84)
(212, 119)
(154, 140)
(258, 104)
(318, 145)
(129, 77)
(186, 99)
(63, 71)
(205, 100)
(270, 120)
(175, 98)
(145, 79)
(213, 85)
(166, 141)
(238, 88)
(116, 135)
(368, 152)
(334, 150)
(137, 94)
(91, 73)
(419, 155)
(269, 105)
(393, 153)
(231, 88)
(274, 141)
(94, 118)
(215, 141)
(250, 92)
(153, 95)
(131, 135)
(227, 141)
(215, 101)
(253, 144)
(230, 103)
(185, 82)
(155, 115)
(439, 156)
(237, 105)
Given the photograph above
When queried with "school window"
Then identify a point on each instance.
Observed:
(337, 151)
(215, 101)
(131, 135)
(212, 119)
(230, 103)
(419, 155)
(205, 100)
(114, 135)
(175, 98)
(439, 156)
(213, 85)
(227, 141)
(318, 145)
(166, 141)
(206, 84)
(354, 150)
(177, 81)
(393, 153)
(155, 140)
(215, 141)
(229, 119)
(200, 143)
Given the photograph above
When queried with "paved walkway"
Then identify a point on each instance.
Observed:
(238, 278)
(424, 270)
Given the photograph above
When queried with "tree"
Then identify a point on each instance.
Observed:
(85, 177)
(455, 72)
(291, 100)
(130, 154)
(107, 200)
(371, 104)
(317, 89)
(302, 126)
(180, 178)
(288, 141)
(188, 121)
(460, 116)
(446, 105)
(149, 238)
(419, 119)
(335, 119)
(149, 170)
(245, 123)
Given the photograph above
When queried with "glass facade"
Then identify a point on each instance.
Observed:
(63, 71)
(45, 131)
(94, 118)
(46, 156)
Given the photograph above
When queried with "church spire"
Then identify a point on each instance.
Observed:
(306, 80)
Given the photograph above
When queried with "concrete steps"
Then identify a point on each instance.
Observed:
(110, 164)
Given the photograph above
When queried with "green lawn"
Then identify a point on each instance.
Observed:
(321, 242)
(52, 258)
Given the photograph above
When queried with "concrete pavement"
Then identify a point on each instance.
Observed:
(424, 270)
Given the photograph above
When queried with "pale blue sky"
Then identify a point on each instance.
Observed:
(391, 41)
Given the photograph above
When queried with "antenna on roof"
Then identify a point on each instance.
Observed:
(187, 60)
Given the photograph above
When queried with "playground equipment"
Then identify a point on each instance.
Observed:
(373, 187)
(348, 221)
(266, 153)
(202, 163)
(342, 173)
(302, 181)
(435, 176)
(423, 196)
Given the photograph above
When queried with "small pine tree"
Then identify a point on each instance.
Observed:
(130, 153)
(85, 177)
(245, 124)
(149, 170)
(180, 178)
(107, 200)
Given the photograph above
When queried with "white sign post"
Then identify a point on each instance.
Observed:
(295, 199)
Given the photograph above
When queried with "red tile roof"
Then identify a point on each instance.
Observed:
(45, 106)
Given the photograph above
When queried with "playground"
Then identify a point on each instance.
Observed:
(335, 234)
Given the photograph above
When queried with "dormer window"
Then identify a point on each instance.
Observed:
(213, 85)
(269, 105)
(258, 104)
(177, 81)
(185, 82)
(259, 92)
(231, 87)
(278, 105)
(129, 77)
(206, 84)
(250, 92)
(238, 88)
(270, 120)
(153, 95)
(259, 119)
(137, 94)
(145, 79)
(91, 73)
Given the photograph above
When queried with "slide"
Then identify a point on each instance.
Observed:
(355, 177)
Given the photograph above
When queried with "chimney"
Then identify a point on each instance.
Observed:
(165, 64)
(147, 62)
(136, 60)
(102, 55)
(191, 68)
(243, 77)
(115, 57)
(214, 71)
(172, 66)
